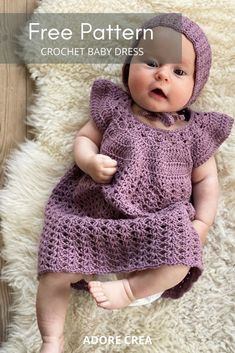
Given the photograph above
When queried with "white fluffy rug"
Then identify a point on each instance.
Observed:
(201, 321)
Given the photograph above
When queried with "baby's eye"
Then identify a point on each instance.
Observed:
(180, 72)
(152, 63)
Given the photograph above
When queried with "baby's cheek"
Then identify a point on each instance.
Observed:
(136, 79)
(184, 94)
(135, 89)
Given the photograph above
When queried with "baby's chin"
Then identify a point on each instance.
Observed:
(137, 107)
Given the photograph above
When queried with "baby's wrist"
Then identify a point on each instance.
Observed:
(85, 164)
(89, 164)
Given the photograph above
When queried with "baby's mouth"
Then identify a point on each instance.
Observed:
(159, 92)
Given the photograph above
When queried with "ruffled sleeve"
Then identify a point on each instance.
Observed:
(103, 100)
(209, 132)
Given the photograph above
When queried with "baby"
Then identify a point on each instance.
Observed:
(143, 194)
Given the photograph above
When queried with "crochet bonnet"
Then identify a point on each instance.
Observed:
(197, 37)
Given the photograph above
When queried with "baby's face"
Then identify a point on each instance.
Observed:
(162, 80)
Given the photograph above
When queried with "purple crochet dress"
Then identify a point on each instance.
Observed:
(143, 218)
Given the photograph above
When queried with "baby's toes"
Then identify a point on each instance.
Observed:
(97, 292)
(94, 285)
(100, 298)
(104, 304)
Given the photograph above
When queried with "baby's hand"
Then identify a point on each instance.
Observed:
(202, 230)
(101, 168)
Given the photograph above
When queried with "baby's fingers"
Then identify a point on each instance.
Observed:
(109, 171)
(109, 162)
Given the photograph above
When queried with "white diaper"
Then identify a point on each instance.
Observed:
(137, 302)
(146, 300)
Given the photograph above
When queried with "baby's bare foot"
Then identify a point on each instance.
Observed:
(111, 295)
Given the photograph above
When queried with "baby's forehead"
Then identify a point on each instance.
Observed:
(167, 44)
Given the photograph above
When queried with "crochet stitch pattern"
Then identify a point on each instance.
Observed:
(143, 218)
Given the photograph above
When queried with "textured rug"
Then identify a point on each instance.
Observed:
(201, 321)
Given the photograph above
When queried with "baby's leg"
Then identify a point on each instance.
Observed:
(52, 300)
(140, 284)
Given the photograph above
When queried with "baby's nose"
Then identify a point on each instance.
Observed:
(162, 74)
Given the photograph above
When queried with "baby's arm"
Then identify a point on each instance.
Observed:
(205, 196)
(86, 154)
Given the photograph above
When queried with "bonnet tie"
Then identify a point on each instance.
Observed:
(168, 119)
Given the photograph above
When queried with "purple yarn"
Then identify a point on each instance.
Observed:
(143, 218)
